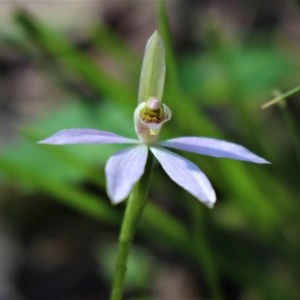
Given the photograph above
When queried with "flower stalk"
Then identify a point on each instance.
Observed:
(134, 209)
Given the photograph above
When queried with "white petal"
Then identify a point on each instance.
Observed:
(213, 147)
(186, 174)
(86, 136)
(123, 170)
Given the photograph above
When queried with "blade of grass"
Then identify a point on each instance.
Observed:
(248, 194)
(164, 30)
(114, 46)
(62, 51)
(63, 192)
(281, 97)
(292, 129)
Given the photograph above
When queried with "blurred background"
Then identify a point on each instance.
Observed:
(66, 64)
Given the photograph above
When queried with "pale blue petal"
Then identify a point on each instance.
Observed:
(86, 136)
(123, 170)
(186, 174)
(213, 147)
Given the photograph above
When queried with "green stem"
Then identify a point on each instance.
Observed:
(133, 212)
(204, 253)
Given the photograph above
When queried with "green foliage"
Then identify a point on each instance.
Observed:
(207, 75)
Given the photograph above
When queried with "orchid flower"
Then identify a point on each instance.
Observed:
(124, 168)
(128, 171)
